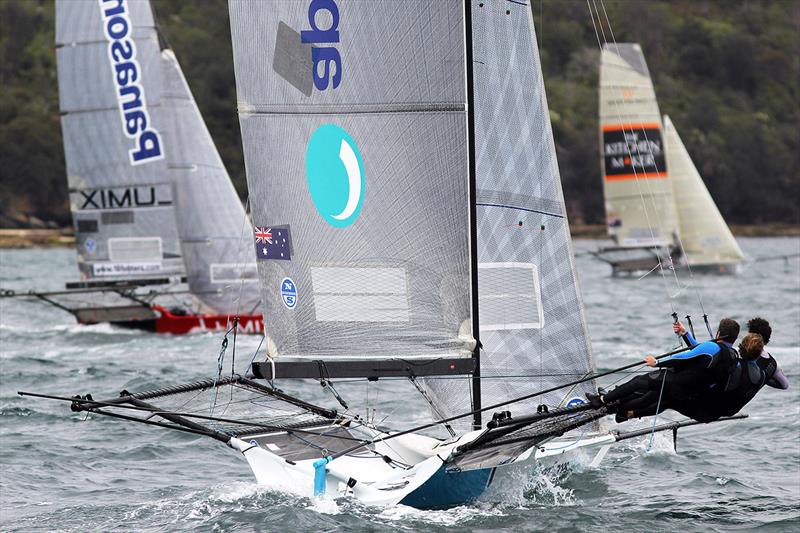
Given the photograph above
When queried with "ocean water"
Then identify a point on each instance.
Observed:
(60, 471)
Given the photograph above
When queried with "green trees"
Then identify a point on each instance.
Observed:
(726, 72)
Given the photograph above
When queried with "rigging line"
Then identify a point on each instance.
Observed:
(508, 402)
(658, 407)
(633, 166)
(685, 253)
(433, 407)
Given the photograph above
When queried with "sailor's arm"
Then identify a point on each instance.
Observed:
(778, 379)
(704, 352)
(687, 337)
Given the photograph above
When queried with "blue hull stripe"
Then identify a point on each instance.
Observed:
(448, 489)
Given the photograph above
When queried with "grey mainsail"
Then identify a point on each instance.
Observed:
(122, 202)
(215, 234)
(354, 132)
(532, 325)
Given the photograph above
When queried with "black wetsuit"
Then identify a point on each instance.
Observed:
(679, 383)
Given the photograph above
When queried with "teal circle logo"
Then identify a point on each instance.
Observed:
(335, 175)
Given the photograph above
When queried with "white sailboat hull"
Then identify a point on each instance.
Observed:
(374, 481)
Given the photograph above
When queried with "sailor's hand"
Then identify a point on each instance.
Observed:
(650, 360)
(678, 328)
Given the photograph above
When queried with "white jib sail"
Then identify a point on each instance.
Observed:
(214, 232)
(706, 238)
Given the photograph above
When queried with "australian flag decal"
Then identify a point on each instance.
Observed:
(273, 242)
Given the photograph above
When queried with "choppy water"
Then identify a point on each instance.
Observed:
(59, 472)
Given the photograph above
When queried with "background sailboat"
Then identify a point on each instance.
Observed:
(640, 210)
(658, 208)
(151, 201)
(708, 243)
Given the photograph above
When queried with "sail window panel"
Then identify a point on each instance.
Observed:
(233, 273)
(116, 217)
(87, 225)
(510, 297)
(360, 294)
(135, 249)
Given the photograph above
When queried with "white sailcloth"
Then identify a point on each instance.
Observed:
(706, 238)
(215, 234)
(122, 201)
(640, 209)
(532, 324)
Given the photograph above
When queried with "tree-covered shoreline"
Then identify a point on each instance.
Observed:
(727, 73)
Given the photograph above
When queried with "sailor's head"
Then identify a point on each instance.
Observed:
(728, 330)
(760, 326)
(751, 346)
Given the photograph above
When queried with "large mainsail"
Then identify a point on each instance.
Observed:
(122, 201)
(705, 236)
(215, 234)
(354, 132)
(532, 326)
(639, 205)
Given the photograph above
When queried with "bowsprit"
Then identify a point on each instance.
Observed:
(125, 69)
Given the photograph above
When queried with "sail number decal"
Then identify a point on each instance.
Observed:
(122, 197)
(326, 61)
(126, 71)
(632, 151)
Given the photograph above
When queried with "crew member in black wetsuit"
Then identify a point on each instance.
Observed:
(762, 327)
(681, 380)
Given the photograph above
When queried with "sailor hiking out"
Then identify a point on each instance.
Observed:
(709, 381)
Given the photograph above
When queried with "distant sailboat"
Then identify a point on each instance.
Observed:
(151, 201)
(708, 243)
(646, 199)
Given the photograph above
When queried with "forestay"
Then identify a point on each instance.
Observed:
(354, 131)
(122, 202)
(640, 208)
(532, 326)
(705, 236)
(215, 234)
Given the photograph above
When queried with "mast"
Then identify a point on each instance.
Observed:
(473, 217)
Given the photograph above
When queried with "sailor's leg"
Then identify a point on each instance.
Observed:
(640, 384)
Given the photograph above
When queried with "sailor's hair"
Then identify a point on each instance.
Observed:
(760, 326)
(728, 330)
(751, 346)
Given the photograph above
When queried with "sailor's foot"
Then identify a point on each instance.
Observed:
(595, 400)
(623, 416)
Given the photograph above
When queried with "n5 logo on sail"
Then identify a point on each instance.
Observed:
(125, 69)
